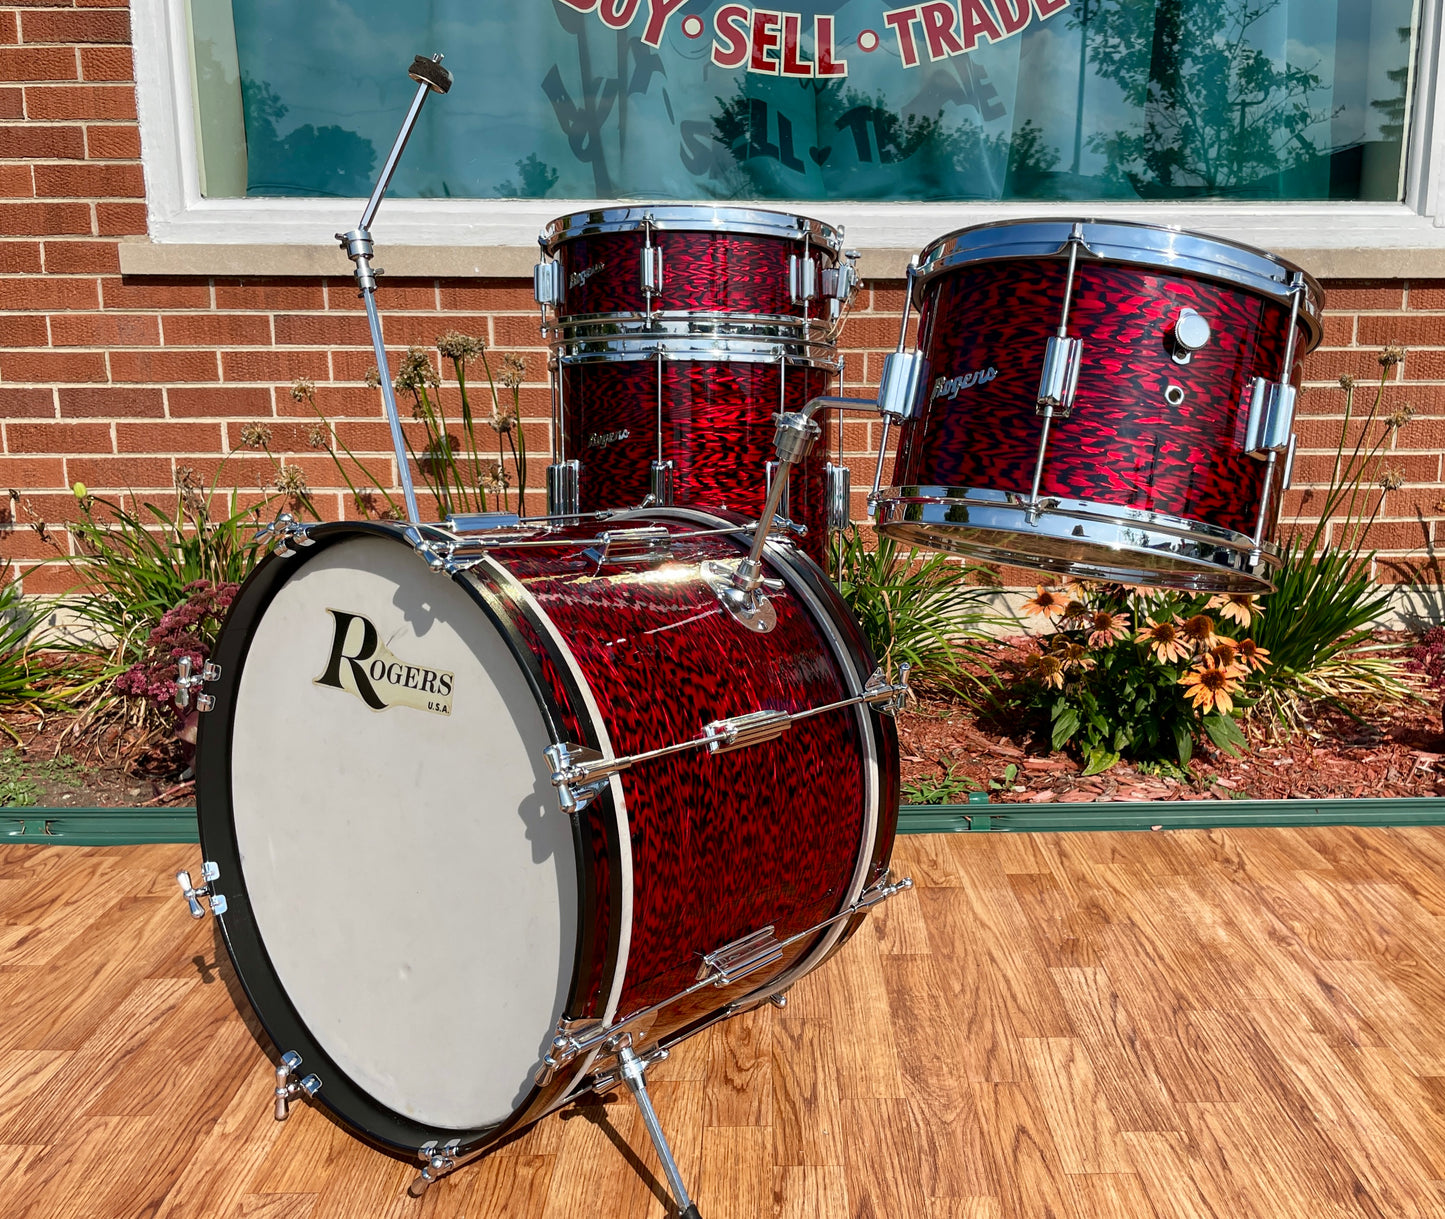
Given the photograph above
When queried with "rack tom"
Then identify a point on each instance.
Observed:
(632, 267)
(1103, 399)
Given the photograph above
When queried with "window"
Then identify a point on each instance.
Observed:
(994, 107)
(933, 101)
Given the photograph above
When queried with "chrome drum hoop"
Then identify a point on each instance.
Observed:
(1160, 247)
(665, 322)
(1078, 538)
(719, 348)
(696, 218)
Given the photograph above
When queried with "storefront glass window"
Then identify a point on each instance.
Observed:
(837, 100)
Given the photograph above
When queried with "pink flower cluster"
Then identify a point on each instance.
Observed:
(186, 630)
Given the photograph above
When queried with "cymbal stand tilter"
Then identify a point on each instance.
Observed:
(430, 77)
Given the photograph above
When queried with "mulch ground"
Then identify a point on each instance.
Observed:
(1399, 753)
(948, 749)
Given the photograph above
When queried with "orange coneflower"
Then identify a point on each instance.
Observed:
(1251, 654)
(1048, 669)
(1075, 656)
(1223, 653)
(1048, 603)
(1210, 686)
(1165, 640)
(1198, 630)
(1238, 607)
(1104, 628)
(1075, 610)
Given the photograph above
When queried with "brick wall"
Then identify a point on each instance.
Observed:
(118, 382)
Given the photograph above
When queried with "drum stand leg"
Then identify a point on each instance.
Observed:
(633, 1070)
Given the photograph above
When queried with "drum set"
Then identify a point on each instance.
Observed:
(496, 811)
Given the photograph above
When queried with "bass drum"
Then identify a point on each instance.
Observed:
(408, 903)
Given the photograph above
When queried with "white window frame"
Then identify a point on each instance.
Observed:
(178, 214)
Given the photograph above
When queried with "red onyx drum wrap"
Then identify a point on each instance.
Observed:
(717, 430)
(392, 894)
(722, 844)
(739, 274)
(1123, 444)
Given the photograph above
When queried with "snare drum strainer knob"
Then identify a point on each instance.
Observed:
(1190, 333)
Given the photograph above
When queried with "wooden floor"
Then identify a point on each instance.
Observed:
(1234, 1024)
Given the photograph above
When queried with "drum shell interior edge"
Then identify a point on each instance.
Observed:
(720, 845)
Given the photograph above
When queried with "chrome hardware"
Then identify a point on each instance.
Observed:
(840, 282)
(660, 485)
(482, 522)
(770, 472)
(882, 891)
(793, 435)
(1060, 376)
(564, 488)
(188, 682)
(743, 730)
(779, 1000)
(1270, 418)
(430, 77)
(633, 1070)
(733, 962)
(652, 270)
(724, 965)
(568, 1035)
(547, 283)
(288, 1089)
(193, 893)
(1287, 478)
(436, 1162)
(651, 266)
(648, 544)
(838, 496)
(888, 697)
(1189, 333)
(802, 277)
(744, 602)
(898, 387)
(606, 1079)
(1174, 394)
(284, 533)
(579, 773)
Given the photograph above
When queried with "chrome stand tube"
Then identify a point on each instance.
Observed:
(634, 1075)
(430, 77)
(1060, 372)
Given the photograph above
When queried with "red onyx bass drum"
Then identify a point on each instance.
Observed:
(469, 818)
(1103, 399)
(706, 266)
(702, 413)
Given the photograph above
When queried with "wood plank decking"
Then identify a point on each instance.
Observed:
(1239, 1025)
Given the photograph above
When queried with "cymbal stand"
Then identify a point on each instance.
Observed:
(430, 77)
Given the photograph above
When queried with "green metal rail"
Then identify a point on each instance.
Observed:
(126, 826)
(1165, 815)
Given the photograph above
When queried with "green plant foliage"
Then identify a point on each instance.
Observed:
(455, 463)
(946, 790)
(135, 566)
(1317, 622)
(1133, 674)
(926, 612)
(23, 681)
(20, 779)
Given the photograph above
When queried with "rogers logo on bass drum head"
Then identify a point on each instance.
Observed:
(362, 665)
